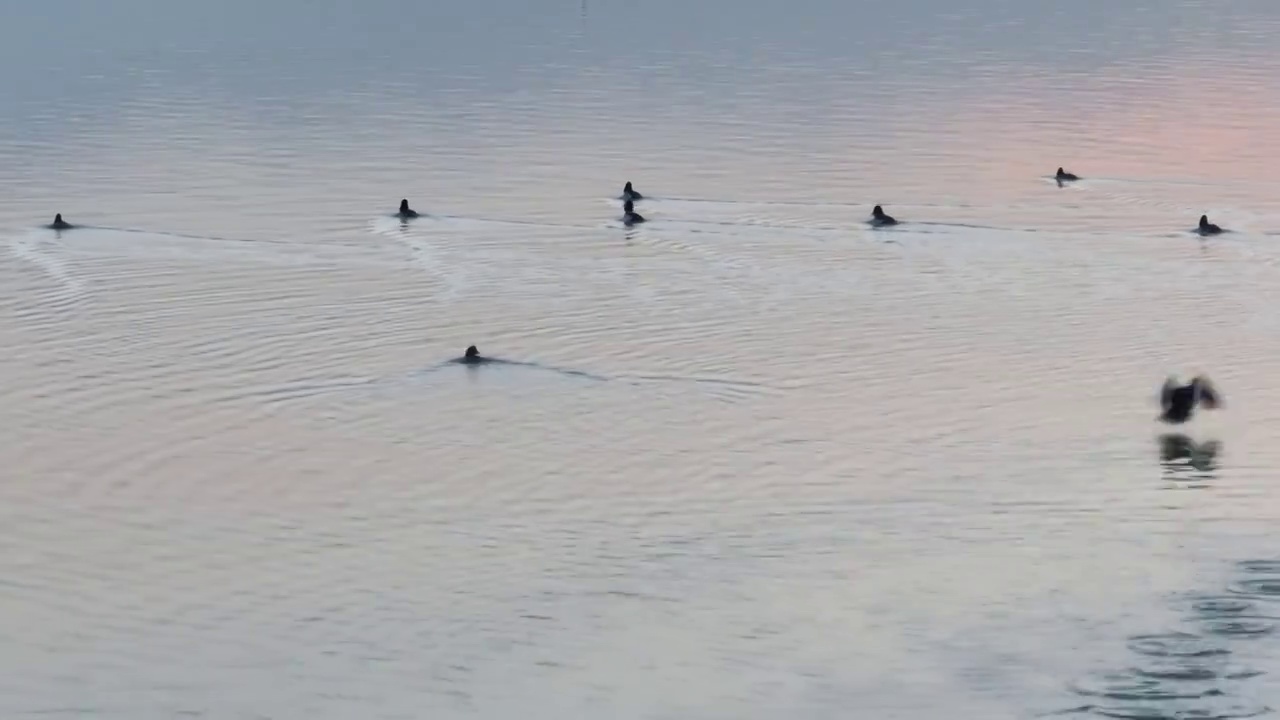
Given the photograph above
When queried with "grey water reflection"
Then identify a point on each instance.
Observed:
(1190, 462)
(1201, 669)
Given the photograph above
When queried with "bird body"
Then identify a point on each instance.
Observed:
(880, 218)
(629, 215)
(405, 212)
(1178, 402)
(1206, 227)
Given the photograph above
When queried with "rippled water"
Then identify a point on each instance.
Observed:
(751, 459)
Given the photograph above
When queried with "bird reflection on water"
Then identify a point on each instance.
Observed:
(1186, 460)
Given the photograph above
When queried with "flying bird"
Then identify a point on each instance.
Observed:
(1178, 402)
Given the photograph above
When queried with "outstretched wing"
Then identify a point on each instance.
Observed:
(1209, 396)
(1166, 393)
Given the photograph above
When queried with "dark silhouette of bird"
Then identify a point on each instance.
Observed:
(1178, 402)
(1064, 176)
(629, 194)
(629, 214)
(405, 212)
(880, 217)
(1206, 227)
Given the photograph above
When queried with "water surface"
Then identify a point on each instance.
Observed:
(751, 459)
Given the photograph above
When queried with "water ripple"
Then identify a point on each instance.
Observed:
(1175, 644)
(750, 459)
(1258, 588)
(1131, 686)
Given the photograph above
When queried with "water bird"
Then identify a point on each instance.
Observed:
(1178, 402)
(405, 212)
(1206, 227)
(629, 214)
(879, 217)
(1064, 176)
(60, 224)
(629, 194)
(471, 356)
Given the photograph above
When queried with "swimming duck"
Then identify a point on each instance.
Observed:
(60, 224)
(880, 217)
(629, 194)
(1064, 176)
(471, 356)
(1206, 227)
(1178, 402)
(629, 214)
(405, 212)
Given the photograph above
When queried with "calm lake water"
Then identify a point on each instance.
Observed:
(752, 459)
